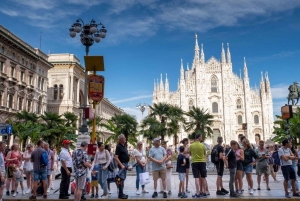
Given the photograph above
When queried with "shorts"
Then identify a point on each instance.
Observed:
(40, 175)
(28, 172)
(248, 168)
(94, 183)
(20, 179)
(181, 176)
(159, 174)
(187, 163)
(220, 169)
(80, 182)
(288, 172)
(9, 173)
(199, 169)
(49, 172)
(239, 165)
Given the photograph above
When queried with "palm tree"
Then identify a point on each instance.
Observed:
(161, 111)
(200, 123)
(150, 128)
(173, 125)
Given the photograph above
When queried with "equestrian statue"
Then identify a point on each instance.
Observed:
(294, 93)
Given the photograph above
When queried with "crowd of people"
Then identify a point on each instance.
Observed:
(39, 164)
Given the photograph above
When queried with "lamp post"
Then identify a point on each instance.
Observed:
(142, 108)
(89, 33)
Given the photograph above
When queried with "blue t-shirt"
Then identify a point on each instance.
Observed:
(179, 167)
(96, 168)
(158, 154)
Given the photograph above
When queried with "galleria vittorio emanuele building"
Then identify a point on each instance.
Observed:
(212, 85)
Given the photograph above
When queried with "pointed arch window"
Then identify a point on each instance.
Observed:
(61, 91)
(215, 107)
(240, 120)
(214, 84)
(239, 104)
(256, 119)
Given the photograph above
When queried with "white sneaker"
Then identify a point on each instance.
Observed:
(48, 190)
(15, 194)
(251, 191)
(145, 191)
(23, 193)
(52, 188)
(108, 191)
(138, 192)
(103, 197)
(240, 192)
(28, 191)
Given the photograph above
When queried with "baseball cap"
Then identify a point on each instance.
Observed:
(156, 139)
(66, 142)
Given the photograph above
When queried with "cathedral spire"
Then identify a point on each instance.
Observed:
(196, 57)
(223, 59)
(228, 54)
(157, 85)
(187, 66)
(202, 54)
(268, 89)
(245, 69)
(181, 71)
(167, 84)
(262, 84)
(161, 87)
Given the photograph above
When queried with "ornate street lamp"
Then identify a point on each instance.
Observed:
(88, 34)
(142, 108)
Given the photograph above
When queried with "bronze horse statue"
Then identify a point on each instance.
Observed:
(294, 93)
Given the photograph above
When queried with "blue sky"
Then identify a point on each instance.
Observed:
(147, 38)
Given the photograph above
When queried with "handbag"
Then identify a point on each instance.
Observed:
(111, 167)
(169, 165)
(144, 178)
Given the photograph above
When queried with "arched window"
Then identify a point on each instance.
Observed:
(214, 84)
(239, 104)
(240, 119)
(215, 107)
(55, 92)
(61, 91)
(256, 119)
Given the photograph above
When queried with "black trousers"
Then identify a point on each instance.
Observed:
(65, 182)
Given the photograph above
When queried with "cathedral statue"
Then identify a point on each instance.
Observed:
(294, 93)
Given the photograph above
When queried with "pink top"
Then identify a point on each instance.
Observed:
(238, 151)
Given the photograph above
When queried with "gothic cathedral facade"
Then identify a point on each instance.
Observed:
(212, 85)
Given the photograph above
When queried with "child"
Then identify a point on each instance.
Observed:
(181, 169)
(231, 164)
(18, 174)
(94, 176)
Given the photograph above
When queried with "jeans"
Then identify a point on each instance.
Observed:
(232, 172)
(139, 169)
(122, 175)
(294, 165)
(65, 182)
(40, 175)
(102, 178)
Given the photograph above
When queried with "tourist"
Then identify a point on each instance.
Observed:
(50, 166)
(186, 153)
(286, 156)
(80, 165)
(262, 165)
(122, 158)
(220, 167)
(55, 167)
(19, 175)
(94, 178)
(169, 167)
(277, 162)
(141, 162)
(158, 156)
(39, 170)
(271, 162)
(181, 169)
(249, 155)
(28, 167)
(65, 170)
(294, 164)
(231, 164)
(198, 154)
(111, 174)
(298, 165)
(13, 157)
(2, 168)
(102, 158)
(239, 169)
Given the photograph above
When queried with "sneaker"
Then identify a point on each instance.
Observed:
(184, 195)
(204, 194)
(179, 195)
(234, 195)
(240, 192)
(32, 197)
(28, 191)
(251, 191)
(220, 193)
(23, 193)
(296, 195)
(154, 195)
(287, 195)
(187, 190)
(224, 191)
(92, 196)
(48, 190)
(52, 188)
(145, 191)
(7, 193)
(138, 192)
(104, 197)
(108, 191)
(258, 188)
(96, 196)
(165, 195)
(15, 194)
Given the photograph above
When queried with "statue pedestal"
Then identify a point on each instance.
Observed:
(81, 138)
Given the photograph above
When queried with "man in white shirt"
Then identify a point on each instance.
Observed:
(66, 170)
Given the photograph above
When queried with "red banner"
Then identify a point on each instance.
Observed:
(96, 87)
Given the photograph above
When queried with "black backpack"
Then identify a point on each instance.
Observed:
(215, 154)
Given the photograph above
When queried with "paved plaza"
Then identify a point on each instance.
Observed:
(275, 193)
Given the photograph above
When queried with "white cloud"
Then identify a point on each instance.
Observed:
(9, 12)
(135, 112)
(131, 99)
(280, 91)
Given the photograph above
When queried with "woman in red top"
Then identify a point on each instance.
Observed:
(13, 157)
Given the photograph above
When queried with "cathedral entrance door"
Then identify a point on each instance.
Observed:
(216, 134)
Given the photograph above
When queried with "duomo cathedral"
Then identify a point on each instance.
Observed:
(212, 85)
